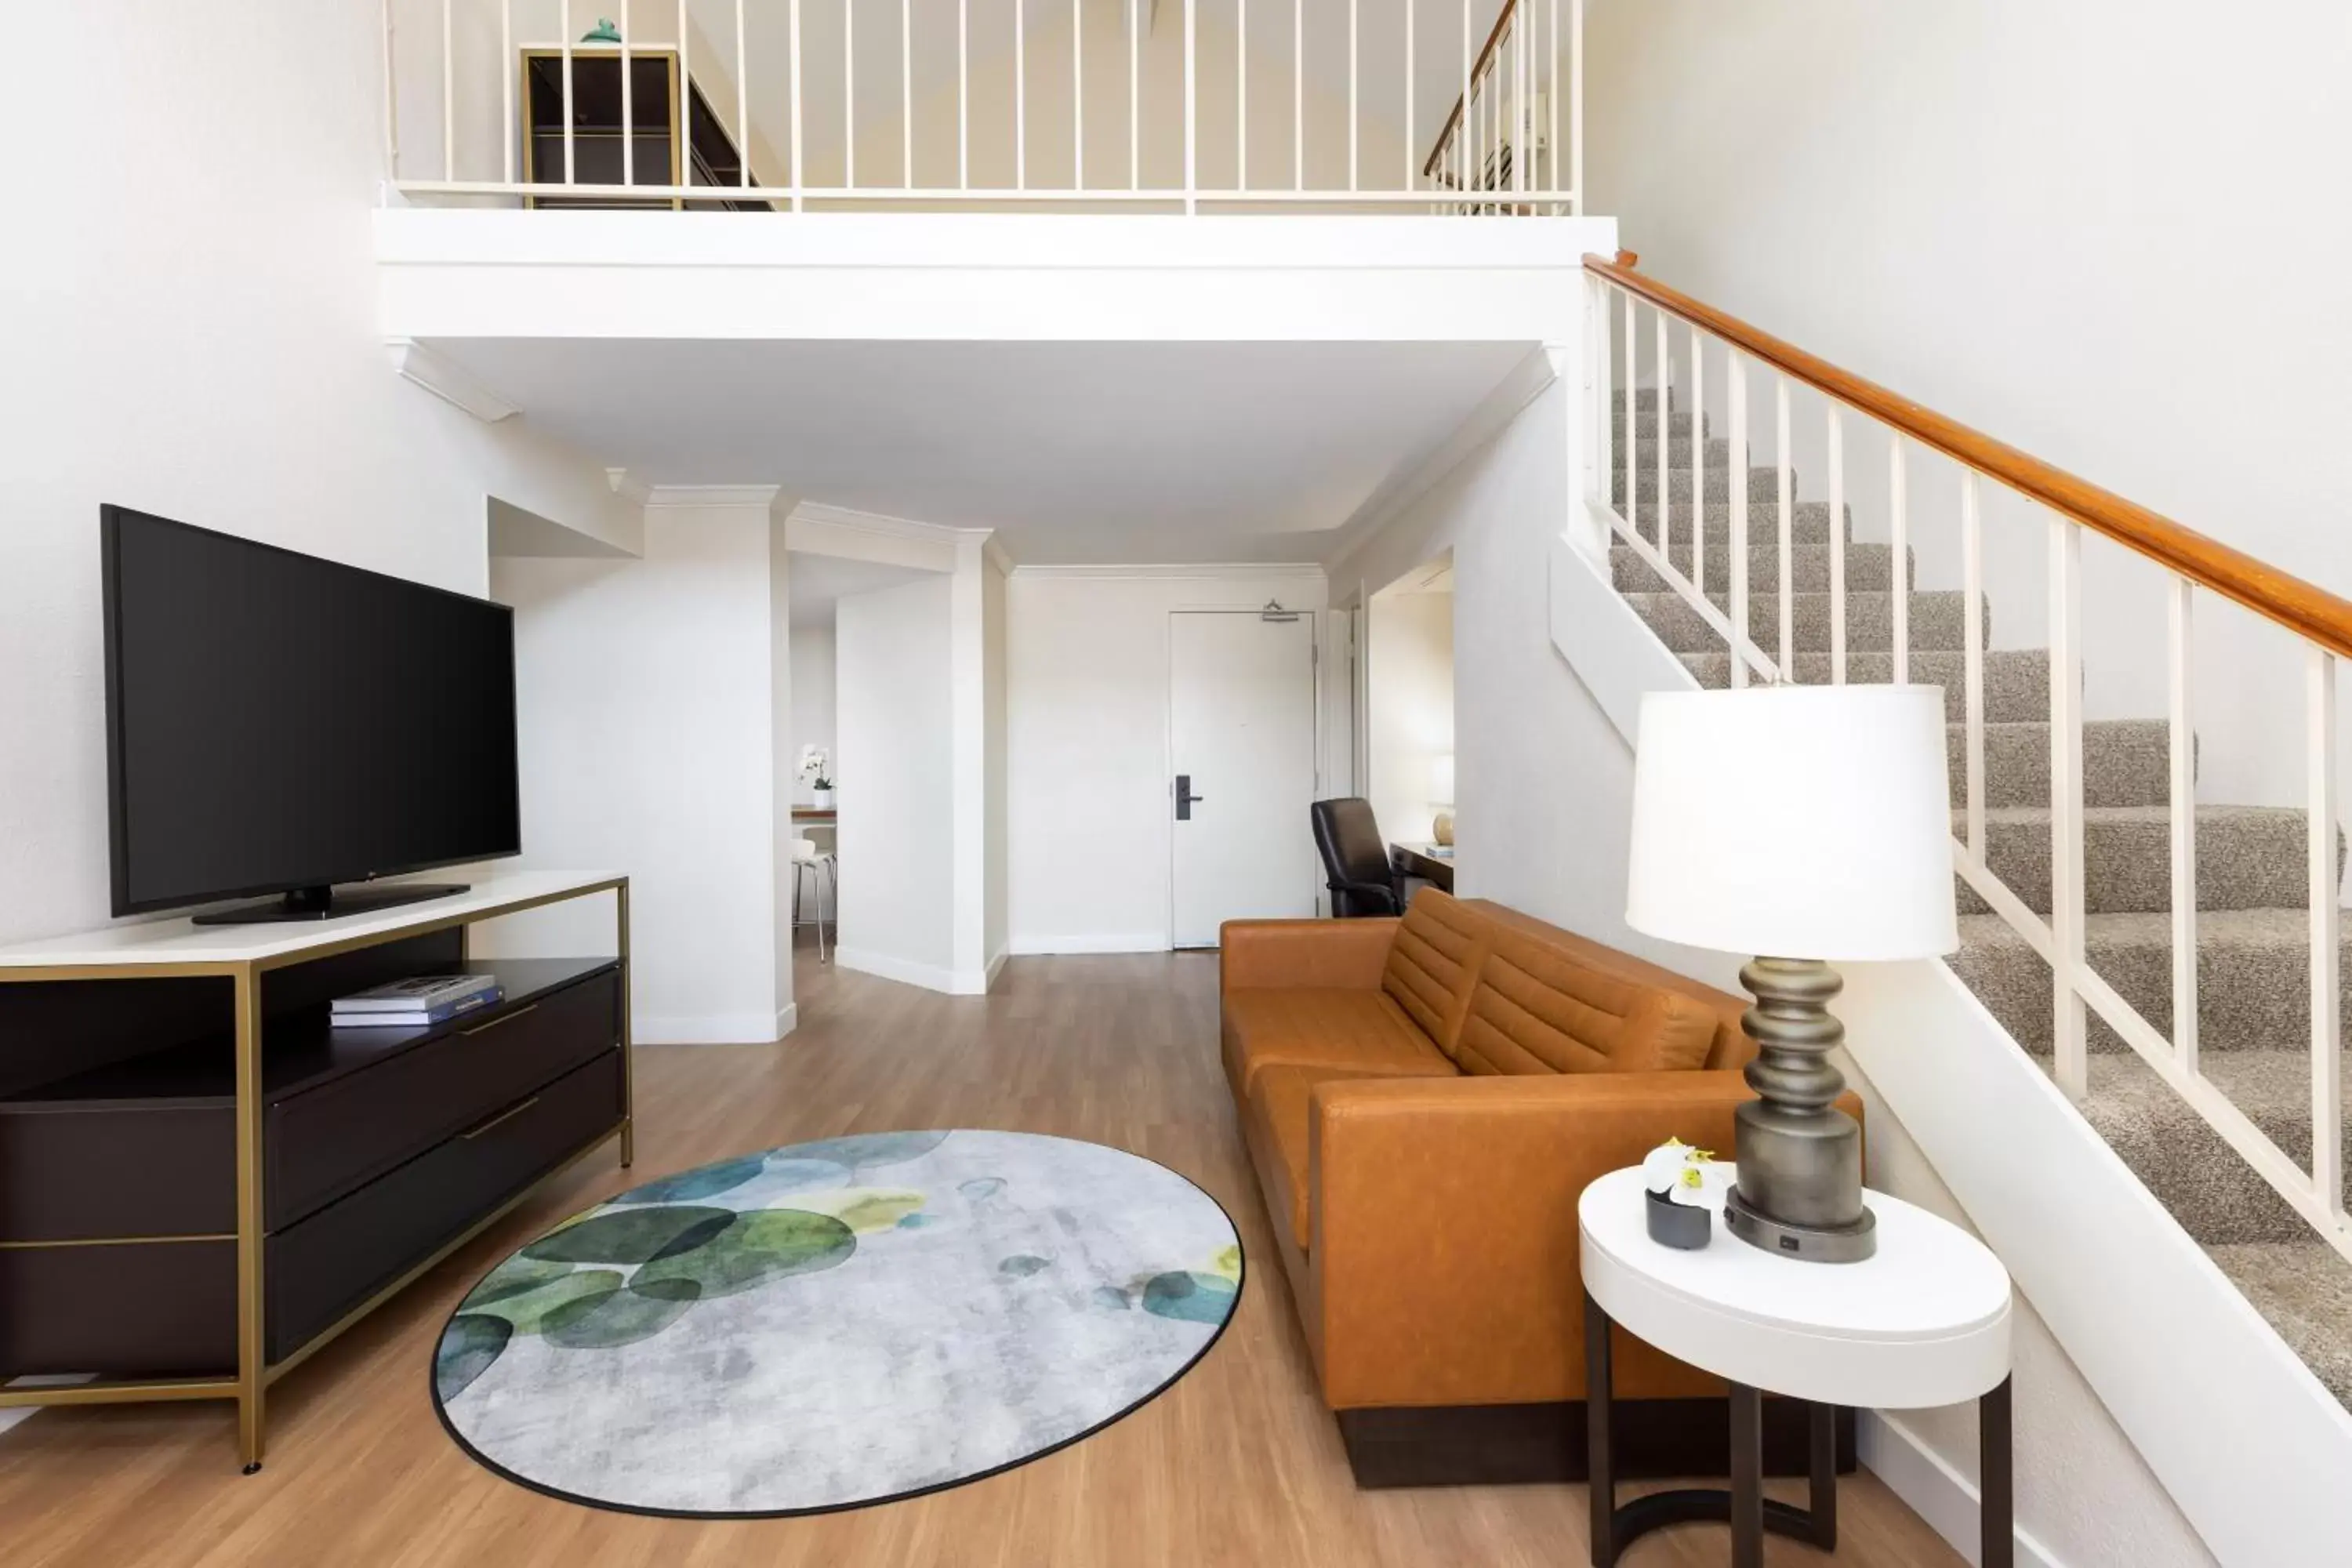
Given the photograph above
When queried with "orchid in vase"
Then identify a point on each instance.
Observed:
(817, 767)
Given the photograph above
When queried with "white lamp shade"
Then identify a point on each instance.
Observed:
(1797, 822)
(1441, 779)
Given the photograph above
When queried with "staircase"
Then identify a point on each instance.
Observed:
(2253, 931)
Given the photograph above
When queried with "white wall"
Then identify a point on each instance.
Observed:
(898, 830)
(813, 699)
(2085, 227)
(1087, 798)
(648, 700)
(206, 350)
(1545, 781)
(997, 853)
(1412, 708)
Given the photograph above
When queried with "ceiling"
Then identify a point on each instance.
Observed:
(817, 582)
(1076, 453)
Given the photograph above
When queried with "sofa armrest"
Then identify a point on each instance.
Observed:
(1274, 955)
(1444, 1231)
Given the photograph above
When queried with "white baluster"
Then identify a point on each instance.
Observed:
(1020, 94)
(1788, 532)
(1632, 417)
(848, 86)
(2066, 893)
(1240, 94)
(1551, 143)
(681, 159)
(743, 105)
(1698, 467)
(1135, 95)
(2180, 665)
(799, 120)
(1737, 388)
(564, 21)
(449, 97)
(1898, 538)
(1297, 95)
(1351, 100)
(1077, 95)
(906, 89)
(1666, 380)
(2327, 997)
(391, 94)
(1192, 107)
(1461, 178)
(1602, 450)
(629, 103)
(1412, 151)
(507, 130)
(1576, 108)
(1837, 547)
(1972, 737)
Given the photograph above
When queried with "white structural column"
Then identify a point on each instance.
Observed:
(968, 655)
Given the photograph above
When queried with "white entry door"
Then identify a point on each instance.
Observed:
(1241, 749)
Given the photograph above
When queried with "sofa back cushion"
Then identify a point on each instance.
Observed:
(1434, 963)
(1730, 1047)
(1535, 1008)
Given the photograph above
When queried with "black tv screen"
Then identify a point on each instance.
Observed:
(278, 722)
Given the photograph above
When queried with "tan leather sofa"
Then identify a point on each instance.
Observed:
(1424, 1100)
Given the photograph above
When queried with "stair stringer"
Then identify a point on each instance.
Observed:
(2249, 1443)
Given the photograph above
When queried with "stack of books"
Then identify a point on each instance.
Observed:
(422, 999)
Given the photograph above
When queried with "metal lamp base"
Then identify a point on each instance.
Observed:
(1848, 1243)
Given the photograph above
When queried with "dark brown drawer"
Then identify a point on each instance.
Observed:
(324, 1143)
(330, 1262)
(81, 1174)
(157, 1309)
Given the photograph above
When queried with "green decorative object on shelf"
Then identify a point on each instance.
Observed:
(603, 32)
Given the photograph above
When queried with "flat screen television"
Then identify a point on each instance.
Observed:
(276, 723)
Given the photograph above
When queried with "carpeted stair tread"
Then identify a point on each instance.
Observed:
(2304, 1289)
(1763, 484)
(2252, 977)
(1936, 620)
(1646, 398)
(1869, 568)
(1678, 450)
(2215, 1194)
(2125, 762)
(1809, 524)
(2248, 856)
(2017, 680)
(1645, 422)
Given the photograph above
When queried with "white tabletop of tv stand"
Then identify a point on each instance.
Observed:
(181, 940)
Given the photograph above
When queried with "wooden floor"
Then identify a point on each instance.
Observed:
(1237, 1464)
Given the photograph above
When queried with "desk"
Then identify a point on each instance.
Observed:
(824, 815)
(1417, 860)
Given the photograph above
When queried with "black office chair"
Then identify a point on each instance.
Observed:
(1355, 859)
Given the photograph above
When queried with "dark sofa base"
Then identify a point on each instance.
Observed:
(1500, 1445)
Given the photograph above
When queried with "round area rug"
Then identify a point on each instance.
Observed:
(832, 1324)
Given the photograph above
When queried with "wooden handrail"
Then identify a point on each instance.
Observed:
(1494, 40)
(2304, 608)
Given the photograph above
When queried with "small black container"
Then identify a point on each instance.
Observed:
(1686, 1225)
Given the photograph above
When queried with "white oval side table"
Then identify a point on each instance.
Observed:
(1923, 1322)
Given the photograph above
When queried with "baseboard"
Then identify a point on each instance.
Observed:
(996, 967)
(1128, 941)
(714, 1028)
(1931, 1488)
(907, 972)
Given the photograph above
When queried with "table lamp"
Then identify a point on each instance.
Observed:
(1441, 796)
(1810, 822)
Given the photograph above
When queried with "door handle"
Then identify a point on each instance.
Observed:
(1185, 797)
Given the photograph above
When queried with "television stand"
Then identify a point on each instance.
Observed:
(324, 903)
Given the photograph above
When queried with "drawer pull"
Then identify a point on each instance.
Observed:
(511, 1110)
(503, 1018)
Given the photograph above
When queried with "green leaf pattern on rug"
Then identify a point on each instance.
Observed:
(639, 1311)
(467, 1348)
(1188, 1296)
(762, 1246)
(630, 1235)
(704, 1182)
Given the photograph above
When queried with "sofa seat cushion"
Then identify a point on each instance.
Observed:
(1537, 1008)
(1329, 1029)
(1279, 1106)
(1434, 963)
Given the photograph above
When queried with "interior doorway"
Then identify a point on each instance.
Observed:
(1241, 747)
(1408, 731)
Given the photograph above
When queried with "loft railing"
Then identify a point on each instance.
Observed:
(1107, 105)
(2320, 620)
(1502, 124)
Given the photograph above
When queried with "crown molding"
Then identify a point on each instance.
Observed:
(711, 495)
(627, 488)
(1207, 571)
(416, 363)
(995, 555)
(886, 526)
